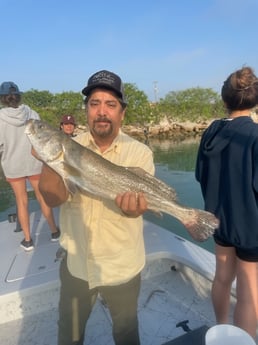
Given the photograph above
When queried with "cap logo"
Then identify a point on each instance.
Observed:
(103, 77)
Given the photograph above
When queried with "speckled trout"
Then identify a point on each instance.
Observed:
(86, 171)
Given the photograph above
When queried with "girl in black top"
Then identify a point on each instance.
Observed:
(227, 169)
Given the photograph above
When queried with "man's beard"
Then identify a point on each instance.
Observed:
(102, 131)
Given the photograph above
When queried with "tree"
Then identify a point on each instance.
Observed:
(138, 108)
(38, 99)
(192, 104)
(52, 106)
(68, 103)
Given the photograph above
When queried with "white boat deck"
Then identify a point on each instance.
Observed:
(175, 287)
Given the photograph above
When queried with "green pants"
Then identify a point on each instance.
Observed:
(76, 303)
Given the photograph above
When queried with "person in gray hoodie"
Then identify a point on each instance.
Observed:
(227, 169)
(18, 164)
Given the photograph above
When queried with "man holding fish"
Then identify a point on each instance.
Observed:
(103, 240)
(104, 183)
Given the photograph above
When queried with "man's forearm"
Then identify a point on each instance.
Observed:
(52, 187)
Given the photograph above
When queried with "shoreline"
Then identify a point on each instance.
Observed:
(177, 131)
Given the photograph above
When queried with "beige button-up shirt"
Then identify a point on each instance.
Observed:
(104, 246)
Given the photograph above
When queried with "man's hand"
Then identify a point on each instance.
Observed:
(132, 204)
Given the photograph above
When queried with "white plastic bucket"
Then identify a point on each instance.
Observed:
(228, 335)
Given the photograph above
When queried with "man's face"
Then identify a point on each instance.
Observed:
(104, 113)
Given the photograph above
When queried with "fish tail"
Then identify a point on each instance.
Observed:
(201, 225)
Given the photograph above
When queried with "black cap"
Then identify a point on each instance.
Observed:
(107, 80)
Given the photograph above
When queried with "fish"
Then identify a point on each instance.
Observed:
(86, 171)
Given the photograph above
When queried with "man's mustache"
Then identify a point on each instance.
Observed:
(103, 120)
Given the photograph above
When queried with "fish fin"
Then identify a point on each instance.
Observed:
(202, 225)
(70, 186)
(70, 171)
(171, 193)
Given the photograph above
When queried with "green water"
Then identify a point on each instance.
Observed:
(175, 164)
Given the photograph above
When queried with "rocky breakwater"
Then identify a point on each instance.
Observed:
(168, 130)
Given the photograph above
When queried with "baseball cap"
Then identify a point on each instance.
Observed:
(67, 119)
(8, 87)
(107, 80)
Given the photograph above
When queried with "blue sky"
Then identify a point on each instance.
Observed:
(56, 45)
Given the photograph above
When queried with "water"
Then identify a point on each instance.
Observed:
(175, 164)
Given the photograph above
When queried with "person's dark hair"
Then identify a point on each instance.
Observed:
(240, 90)
(124, 105)
(11, 100)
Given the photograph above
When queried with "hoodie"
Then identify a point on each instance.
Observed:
(17, 160)
(227, 170)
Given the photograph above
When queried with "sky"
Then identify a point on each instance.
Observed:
(158, 45)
